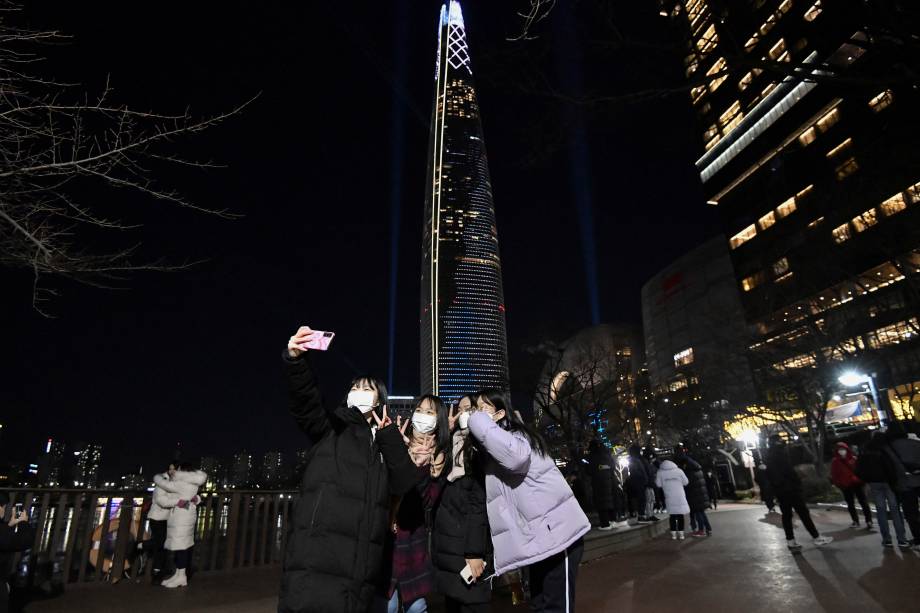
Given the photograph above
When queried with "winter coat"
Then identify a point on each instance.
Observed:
(843, 470)
(672, 480)
(875, 465)
(906, 454)
(156, 512)
(638, 478)
(180, 525)
(412, 571)
(763, 481)
(780, 473)
(697, 492)
(12, 540)
(461, 532)
(712, 486)
(335, 551)
(600, 467)
(532, 511)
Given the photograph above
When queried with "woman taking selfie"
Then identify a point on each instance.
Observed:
(427, 435)
(333, 559)
(533, 516)
(461, 526)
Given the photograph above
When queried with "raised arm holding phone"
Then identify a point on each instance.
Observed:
(15, 535)
(333, 560)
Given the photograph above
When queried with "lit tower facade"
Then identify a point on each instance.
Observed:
(463, 341)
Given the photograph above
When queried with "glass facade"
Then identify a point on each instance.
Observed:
(463, 341)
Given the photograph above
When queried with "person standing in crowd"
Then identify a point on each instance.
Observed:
(876, 467)
(672, 481)
(534, 518)
(158, 517)
(843, 475)
(620, 507)
(905, 448)
(713, 488)
(697, 495)
(334, 555)
(787, 485)
(600, 467)
(428, 440)
(651, 468)
(461, 525)
(763, 484)
(15, 535)
(636, 484)
(179, 494)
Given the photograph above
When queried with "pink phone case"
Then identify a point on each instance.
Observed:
(320, 342)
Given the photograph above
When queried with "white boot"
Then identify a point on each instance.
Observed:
(177, 580)
(680, 535)
(673, 535)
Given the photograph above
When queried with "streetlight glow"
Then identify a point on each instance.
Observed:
(852, 379)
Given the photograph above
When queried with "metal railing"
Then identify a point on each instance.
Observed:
(100, 535)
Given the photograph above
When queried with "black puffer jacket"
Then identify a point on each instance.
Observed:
(697, 492)
(781, 474)
(334, 557)
(461, 531)
(600, 467)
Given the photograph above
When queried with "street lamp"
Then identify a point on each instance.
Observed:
(852, 379)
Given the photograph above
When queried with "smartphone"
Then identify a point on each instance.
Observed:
(320, 342)
(467, 573)
(18, 508)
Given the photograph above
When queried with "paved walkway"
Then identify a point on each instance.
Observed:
(743, 567)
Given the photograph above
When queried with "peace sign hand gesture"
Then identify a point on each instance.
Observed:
(384, 421)
(402, 425)
(452, 416)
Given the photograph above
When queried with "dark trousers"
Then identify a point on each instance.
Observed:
(604, 516)
(859, 493)
(910, 502)
(701, 521)
(184, 558)
(768, 500)
(637, 502)
(619, 504)
(677, 522)
(794, 502)
(158, 544)
(552, 581)
(455, 606)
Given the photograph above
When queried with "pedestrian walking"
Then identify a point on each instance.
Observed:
(158, 517)
(334, 555)
(179, 494)
(534, 518)
(600, 467)
(461, 525)
(787, 486)
(843, 475)
(672, 481)
(636, 484)
(427, 435)
(876, 467)
(697, 495)
(763, 484)
(905, 448)
(15, 535)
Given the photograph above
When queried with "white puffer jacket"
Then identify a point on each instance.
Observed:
(180, 527)
(158, 513)
(673, 480)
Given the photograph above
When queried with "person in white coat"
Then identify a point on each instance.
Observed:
(180, 495)
(158, 516)
(672, 480)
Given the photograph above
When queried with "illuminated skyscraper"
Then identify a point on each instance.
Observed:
(463, 341)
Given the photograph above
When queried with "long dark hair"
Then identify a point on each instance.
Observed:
(442, 440)
(512, 421)
(374, 382)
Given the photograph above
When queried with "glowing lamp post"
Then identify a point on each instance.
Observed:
(852, 379)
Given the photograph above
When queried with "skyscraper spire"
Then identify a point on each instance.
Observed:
(464, 346)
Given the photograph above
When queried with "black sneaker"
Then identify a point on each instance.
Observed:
(887, 544)
(652, 518)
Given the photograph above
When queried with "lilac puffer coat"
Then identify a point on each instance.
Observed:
(532, 511)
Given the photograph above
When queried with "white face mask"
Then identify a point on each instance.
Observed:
(464, 420)
(363, 400)
(842, 453)
(424, 423)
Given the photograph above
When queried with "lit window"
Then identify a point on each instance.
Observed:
(786, 208)
(813, 12)
(713, 130)
(766, 90)
(804, 192)
(893, 205)
(830, 118)
(768, 24)
(742, 237)
(749, 283)
(712, 142)
(893, 334)
(777, 49)
(695, 10)
(682, 358)
(816, 223)
(865, 220)
(846, 169)
(717, 67)
(731, 117)
(767, 220)
(912, 193)
(708, 40)
(751, 43)
(841, 148)
(882, 101)
(697, 93)
(785, 7)
(780, 267)
(745, 81)
(808, 136)
(841, 233)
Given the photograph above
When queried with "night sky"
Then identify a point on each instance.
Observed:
(345, 92)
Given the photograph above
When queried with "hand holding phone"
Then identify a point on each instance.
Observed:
(473, 570)
(306, 338)
(320, 341)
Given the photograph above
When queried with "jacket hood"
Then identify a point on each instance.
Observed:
(845, 447)
(195, 477)
(668, 465)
